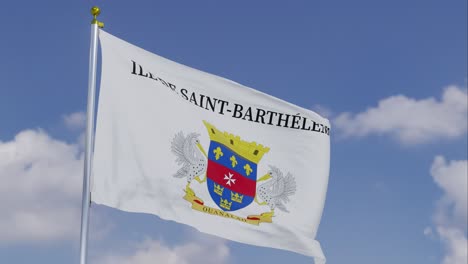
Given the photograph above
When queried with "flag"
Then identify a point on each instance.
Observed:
(204, 151)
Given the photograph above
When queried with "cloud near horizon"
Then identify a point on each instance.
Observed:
(41, 182)
(409, 120)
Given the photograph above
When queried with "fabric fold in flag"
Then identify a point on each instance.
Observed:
(204, 151)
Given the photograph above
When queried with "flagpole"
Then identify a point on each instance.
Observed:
(86, 198)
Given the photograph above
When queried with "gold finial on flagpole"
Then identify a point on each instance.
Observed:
(95, 11)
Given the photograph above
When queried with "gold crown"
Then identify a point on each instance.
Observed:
(225, 204)
(218, 189)
(236, 197)
(249, 150)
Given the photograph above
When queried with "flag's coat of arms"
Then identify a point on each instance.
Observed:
(232, 169)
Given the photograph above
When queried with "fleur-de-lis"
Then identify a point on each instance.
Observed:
(218, 153)
(233, 161)
(247, 169)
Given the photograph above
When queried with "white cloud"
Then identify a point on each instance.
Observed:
(450, 216)
(213, 251)
(75, 121)
(409, 120)
(456, 245)
(40, 188)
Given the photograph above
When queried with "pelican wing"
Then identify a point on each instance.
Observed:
(278, 184)
(285, 187)
(177, 147)
(182, 172)
(183, 148)
(189, 149)
(289, 187)
(281, 206)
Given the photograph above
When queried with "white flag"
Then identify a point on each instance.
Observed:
(204, 151)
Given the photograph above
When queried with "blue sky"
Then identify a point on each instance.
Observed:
(390, 75)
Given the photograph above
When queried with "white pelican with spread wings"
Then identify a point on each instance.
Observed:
(276, 191)
(191, 155)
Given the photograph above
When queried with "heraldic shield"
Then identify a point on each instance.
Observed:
(232, 169)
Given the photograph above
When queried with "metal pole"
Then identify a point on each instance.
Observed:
(86, 198)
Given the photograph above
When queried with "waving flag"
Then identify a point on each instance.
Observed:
(204, 151)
